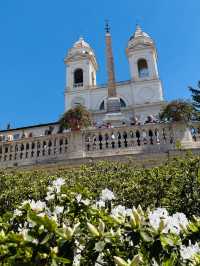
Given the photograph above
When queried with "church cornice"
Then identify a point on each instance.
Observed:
(81, 57)
(133, 49)
(105, 86)
(91, 88)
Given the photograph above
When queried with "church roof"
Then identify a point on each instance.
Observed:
(29, 127)
(139, 33)
(81, 43)
(81, 49)
(139, 39)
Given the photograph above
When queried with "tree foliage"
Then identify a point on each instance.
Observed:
(196, 98)
(76, 118)
(177, 110)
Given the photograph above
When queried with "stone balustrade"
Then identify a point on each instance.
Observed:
(32, 150)
(95, 143)
(129, 137)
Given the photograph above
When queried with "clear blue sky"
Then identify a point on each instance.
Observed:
(35, 35)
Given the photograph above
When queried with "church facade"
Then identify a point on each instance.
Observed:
(140, 96)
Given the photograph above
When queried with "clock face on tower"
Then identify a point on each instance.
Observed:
(145, 95)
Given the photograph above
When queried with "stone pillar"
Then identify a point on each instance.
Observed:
(76, 148)
(182, 133)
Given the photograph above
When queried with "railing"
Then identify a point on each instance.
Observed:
(33, 149)
(76, 85)
(129, 137)
(97, 143)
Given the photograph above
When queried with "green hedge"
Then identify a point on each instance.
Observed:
(174, 185)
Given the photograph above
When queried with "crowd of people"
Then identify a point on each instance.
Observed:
(133, 122)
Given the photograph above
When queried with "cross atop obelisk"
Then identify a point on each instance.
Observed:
(113, 102)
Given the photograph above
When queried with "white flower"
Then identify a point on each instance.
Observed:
(107, 195)
(78, 197)
(129, 212)
(37, 205)
(80, 200)
(35, 241)
(176, 222)
(100, 260)
(154, 262)
(17, 213)
(49, 196)
(86, 202)
(156, 216)
(180, 219)
(100, 204)
(188, 253)
(42, 214)
(77, 259)
(58, 183)
(119, 211)
(78, 245)
(173, 224)
(58, 210)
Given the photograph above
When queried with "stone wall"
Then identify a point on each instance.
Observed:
(149, 140)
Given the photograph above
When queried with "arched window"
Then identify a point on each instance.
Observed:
(102, 105)
(143, 68)
(122, 103)
(78, 77)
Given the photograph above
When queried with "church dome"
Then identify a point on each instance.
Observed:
(139, 33)
(139, 37)
(81, 44)
(81, 50)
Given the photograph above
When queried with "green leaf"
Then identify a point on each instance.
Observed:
(120, 262)
(137, 260)
(101, 227)
(62, 260)
(146, 236)
(92, 229)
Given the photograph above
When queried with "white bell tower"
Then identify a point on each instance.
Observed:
(142, 56)
(81, 67)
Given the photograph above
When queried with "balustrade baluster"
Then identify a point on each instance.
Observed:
(113, 137)
(138, 137)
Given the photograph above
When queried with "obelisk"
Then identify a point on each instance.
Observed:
(113, 102)
(113, 115)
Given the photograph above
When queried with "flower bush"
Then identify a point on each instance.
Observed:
(76, 118)
(75, 229)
